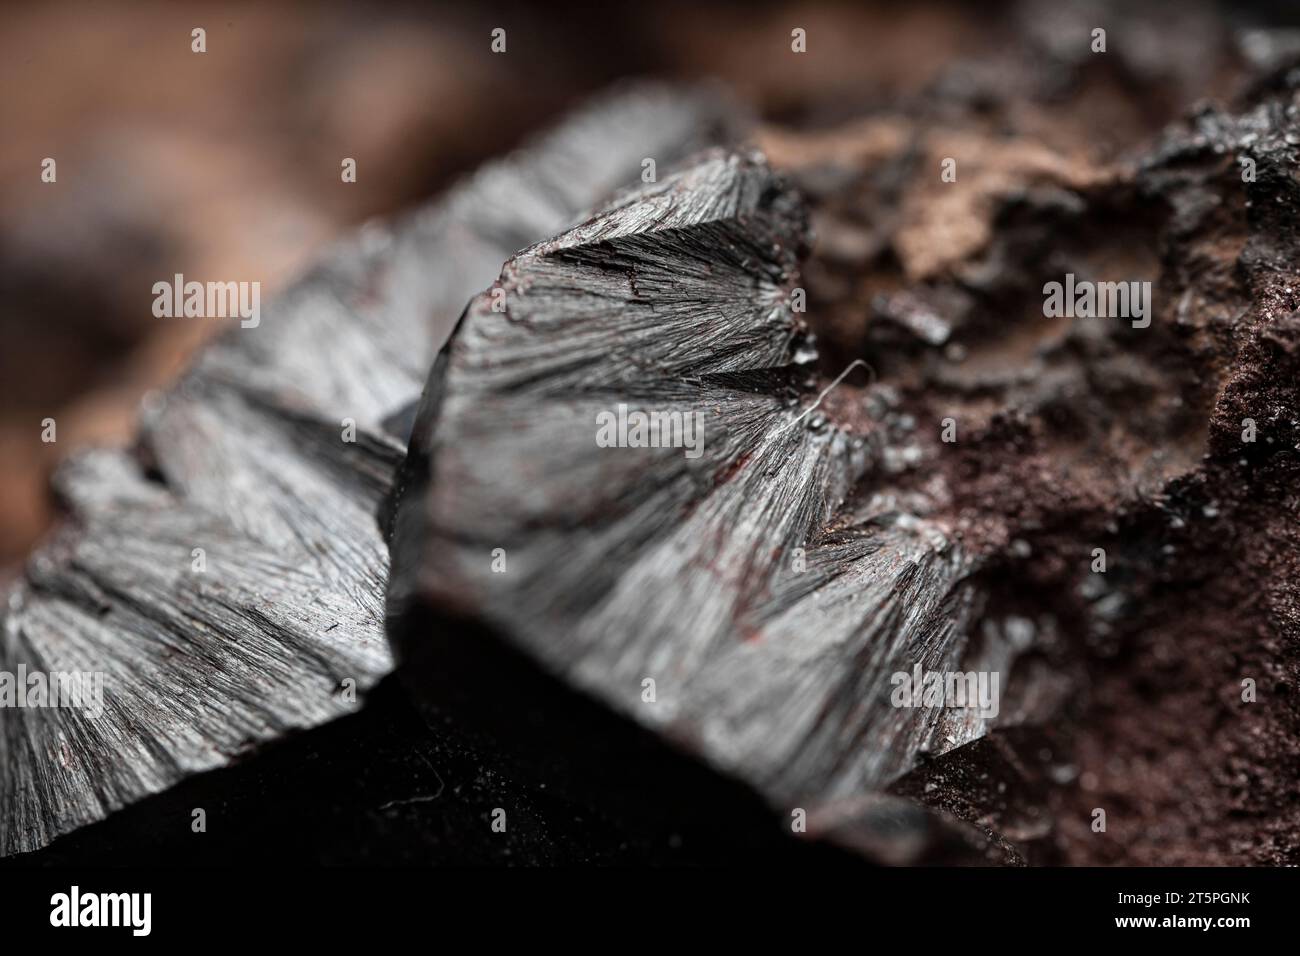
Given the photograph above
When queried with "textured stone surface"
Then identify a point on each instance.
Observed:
(627, 564)
(246, 459)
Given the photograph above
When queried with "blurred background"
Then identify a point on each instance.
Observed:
(226, 165)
